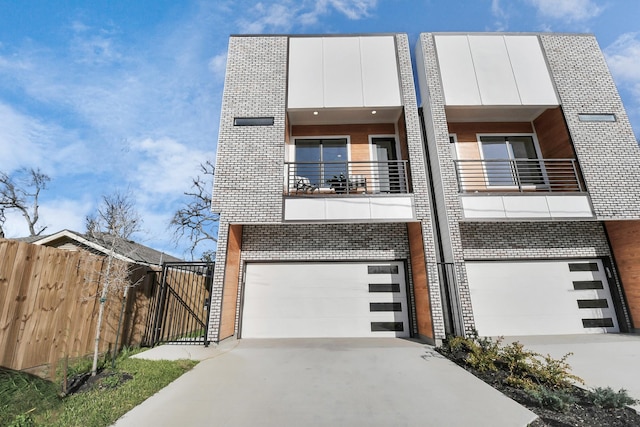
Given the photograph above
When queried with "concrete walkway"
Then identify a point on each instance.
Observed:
(323, 382)
(601, 360)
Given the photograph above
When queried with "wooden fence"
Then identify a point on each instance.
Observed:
(49, 305)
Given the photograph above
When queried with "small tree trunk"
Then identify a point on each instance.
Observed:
(103, 300)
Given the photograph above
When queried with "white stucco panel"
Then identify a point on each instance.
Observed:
(494, 69)
(306, 82)
(343, 72)
(457, 71)
(380, 83)
(494, 74)
(530, 71)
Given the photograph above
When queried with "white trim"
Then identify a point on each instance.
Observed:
(80, 239)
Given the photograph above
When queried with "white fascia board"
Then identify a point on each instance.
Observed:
(80, 239)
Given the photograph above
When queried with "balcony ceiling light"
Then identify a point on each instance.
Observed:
(373, 111)
(315, 113)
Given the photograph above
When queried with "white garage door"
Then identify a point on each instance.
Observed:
(299, 300)
(541, 298)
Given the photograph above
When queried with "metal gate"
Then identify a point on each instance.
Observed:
(179, 304)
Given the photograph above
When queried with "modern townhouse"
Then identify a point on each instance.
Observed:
(536, 176)
(347, 211)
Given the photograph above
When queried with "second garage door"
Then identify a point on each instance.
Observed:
(541, 297)
(300, 300)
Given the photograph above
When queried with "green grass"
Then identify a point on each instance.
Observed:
(31, 401)
(22, 394)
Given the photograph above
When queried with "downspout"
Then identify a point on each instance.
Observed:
(444, 278)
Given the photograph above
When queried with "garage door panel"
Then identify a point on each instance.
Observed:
(324, 300)
(541, 297)
(526, 325)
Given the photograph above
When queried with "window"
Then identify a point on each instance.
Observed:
(597, 117)
(320, 160)
(253, 121)
(511, 160)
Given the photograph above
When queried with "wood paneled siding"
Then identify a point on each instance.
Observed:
(553, 135)
(625, 244)
(467, 135)
(359, 135)
(231, 277)
(420, 282)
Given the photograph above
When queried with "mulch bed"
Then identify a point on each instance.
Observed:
(582, 413)
(103, 380)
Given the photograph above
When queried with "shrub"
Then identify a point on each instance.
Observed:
(607, 398)
(556, 400)
(479, 353)
(528, 369)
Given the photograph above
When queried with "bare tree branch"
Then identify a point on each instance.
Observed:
(115, 217)
(21, 192)
(115, 220)
(194, 221)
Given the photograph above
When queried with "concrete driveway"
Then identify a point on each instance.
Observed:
(323, 382)
(601, 360)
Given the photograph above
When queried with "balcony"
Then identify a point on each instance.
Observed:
(522, 189)
(357, 191)
(346, 178)
(522, 175)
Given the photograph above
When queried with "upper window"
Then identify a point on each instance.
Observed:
(320, 160)
(253, 121)
(511, 159)
(597, 117)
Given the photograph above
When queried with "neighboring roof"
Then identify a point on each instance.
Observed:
(126, 250)
(30, 239)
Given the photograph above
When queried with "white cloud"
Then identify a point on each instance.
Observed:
(22, 140)
(218, 64)
(56, 215)
(62, 214)
(568, 10)
(352, 9)
(278, 16)
(501, 15)
(166, 166)
(27, 142)
(283, 15)
(623, 58)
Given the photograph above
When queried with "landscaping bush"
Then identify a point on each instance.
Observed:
(545, 379)
(605, 397)
(556, 400)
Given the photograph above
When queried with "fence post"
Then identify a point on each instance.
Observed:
(209, 286)
(159, 313)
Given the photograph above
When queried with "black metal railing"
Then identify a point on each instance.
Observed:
(322, 178)
(524, 175)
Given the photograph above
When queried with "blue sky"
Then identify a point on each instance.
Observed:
(122, 94)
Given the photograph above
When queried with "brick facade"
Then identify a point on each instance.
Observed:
(446, 184)
(608, 153)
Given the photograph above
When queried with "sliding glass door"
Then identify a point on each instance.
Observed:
(511, 160)
(320, 160)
